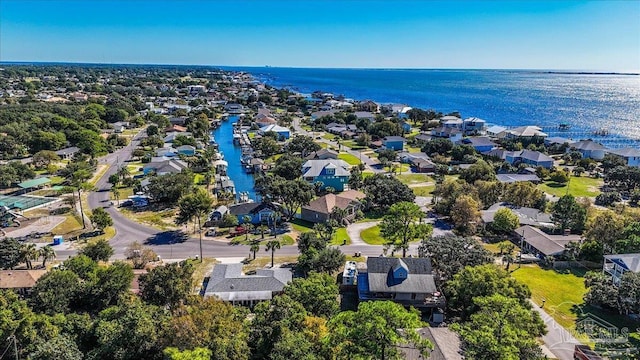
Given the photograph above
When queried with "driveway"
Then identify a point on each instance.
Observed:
(557, 340)
(354, 230)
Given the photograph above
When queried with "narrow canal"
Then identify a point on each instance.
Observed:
(232, 155)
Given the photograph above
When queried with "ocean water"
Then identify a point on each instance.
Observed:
(588, 102)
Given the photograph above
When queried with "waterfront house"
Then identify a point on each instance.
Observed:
(166, 151)
(332, 173)
(187, 150)
(320, 209)
(589, 149)
(474, 125)
(259, 212)
(228, 283)
(264, 120)
(541, 244)
(631, 156)
(283, 132)
(523, 132)
(20, 281)
(394, 142)
(617, 265)
(233, 108)
(481, 144)
(323, 154)
(407, 281)
(556, 140)
(164, 166)
(496, 131)
(220, 166)
(217, 214)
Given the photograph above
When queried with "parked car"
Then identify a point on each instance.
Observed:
(210, 232)
(239, 230)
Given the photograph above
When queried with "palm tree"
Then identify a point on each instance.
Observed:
(246, 226)
(263, 229)
(124, 172)
(29, 252)
(255, 247)
(116, 194)
(194, 206)
(208, 177)
(507, 258)
(47, 253)
(272, 245)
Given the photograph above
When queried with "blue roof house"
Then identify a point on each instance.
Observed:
(332, 173)
(394, 142)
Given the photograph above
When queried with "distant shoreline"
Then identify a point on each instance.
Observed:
(225, 67)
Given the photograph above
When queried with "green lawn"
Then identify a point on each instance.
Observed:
(301, 226)
(413, 178)
(423, 190)
(578, 187)
(561, 291)
(349, 159)
(340, 236)
(367, 173)
(242, 239)
(328, 136)
(372, 236)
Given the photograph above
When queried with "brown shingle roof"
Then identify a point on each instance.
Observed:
(18, 279)
(326, 204)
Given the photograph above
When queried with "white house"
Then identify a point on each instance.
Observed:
(589, 149)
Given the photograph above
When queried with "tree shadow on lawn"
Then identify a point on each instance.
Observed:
(555, 185)
(168, 238)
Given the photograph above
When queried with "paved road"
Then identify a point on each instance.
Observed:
(557, 340)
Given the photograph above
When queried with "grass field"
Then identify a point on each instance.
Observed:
(301, 226)
(423, 190)
(414, 178)
(349, 159)
(162, 220)
(578, 187)
(263, 260)
(242, 239)
(340, 235)
(372, 236)
(562, 292)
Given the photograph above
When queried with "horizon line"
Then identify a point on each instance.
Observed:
(559, 71)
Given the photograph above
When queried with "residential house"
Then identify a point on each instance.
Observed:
(474, 125)
(164, 166)
(511, 178)
(406, 127)
(557, 141)
(320, 209)
(450, 121)
(320, 114)
(20, 281)
(617, 265)
(259, 212)
(166, 151)
(323, 154)
(446, 345)
(394, 142)
(589, 149)
(187, 150)
(174, 107)
(233, 108)
(228, 283)
(224, 184)
(452, 133)
(220, 166)
(176, 128)
(283, 132)
(631, 156)
(67, 153)
(407, 281)
(369, 106)
(263, 121)
(365, 115)
(332, 173)
(526, 216)
(422, 138)
(420, 161)
(524, 132)
(496, 131)
(217, 214)
(179, 120)
(481, 144)
(171, 137)
(541, 244)
(530, 157)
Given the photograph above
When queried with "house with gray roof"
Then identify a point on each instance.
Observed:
(323, 154)
(332, 173)
(228, 283)
(526, 216)
(530, 157)
(164, 166)
(511, 178)
(617, 265)
(589, 149)
(631, 156)
(407, 281)
(524, 132)
(541, 244)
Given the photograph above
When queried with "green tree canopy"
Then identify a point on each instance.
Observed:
(318, 293)
(568, 214)
(400, 226)
(505, 221)
(98, 250)
(167, 285)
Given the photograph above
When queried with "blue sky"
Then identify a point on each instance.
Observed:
(568, 35)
